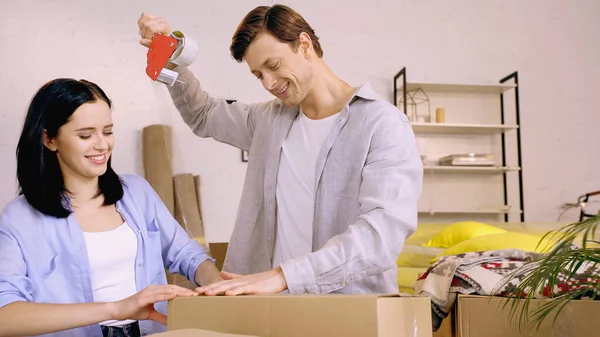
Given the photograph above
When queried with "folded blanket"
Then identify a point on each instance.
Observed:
(484, 273)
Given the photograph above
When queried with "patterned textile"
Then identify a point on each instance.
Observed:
(485, 273)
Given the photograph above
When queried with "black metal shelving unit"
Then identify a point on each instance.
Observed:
(514, 78)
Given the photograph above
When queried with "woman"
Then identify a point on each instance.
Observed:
(82, 249)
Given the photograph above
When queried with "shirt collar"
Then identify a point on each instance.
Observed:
(364, 91)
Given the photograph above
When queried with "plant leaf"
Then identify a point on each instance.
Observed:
(540, 278)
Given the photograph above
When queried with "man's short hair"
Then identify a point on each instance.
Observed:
(281, 21)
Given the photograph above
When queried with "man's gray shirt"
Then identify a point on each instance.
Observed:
(368, 181)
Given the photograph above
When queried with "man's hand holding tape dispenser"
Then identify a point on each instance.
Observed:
(334, 173)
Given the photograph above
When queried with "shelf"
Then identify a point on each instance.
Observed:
(479, 99)
(481, 169)
(461, 128)
(473, 211)
(459, 88)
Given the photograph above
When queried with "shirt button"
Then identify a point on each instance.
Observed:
(140, 264)
(145, 333)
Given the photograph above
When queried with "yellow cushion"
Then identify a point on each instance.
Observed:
(508, 240)
(461, 231)
(200, 240)
(417, 256)
(407, 278)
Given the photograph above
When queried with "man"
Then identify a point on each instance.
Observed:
(334, 174)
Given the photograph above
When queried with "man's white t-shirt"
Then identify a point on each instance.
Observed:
(295, 189)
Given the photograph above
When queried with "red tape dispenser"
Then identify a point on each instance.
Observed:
(174, 48)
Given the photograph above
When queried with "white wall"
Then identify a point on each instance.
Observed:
(554, 46)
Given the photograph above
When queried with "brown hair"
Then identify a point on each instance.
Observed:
(281, 21)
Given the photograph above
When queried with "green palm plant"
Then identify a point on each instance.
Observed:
(540, 276)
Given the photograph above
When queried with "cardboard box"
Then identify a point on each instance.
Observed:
(304, 315)
(196, 333)
(447, 328)
(218, 250)
(486, 316)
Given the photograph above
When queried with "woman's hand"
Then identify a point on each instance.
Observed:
(141, 305)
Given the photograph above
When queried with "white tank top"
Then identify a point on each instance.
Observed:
(112, 265)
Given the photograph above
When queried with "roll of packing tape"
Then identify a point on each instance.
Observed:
(187, 50)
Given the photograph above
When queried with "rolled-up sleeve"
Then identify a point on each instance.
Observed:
(15, 286)
(391, 186)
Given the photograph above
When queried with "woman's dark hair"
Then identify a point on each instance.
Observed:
(38, 172)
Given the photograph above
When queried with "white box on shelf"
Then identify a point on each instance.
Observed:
(469, 159)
